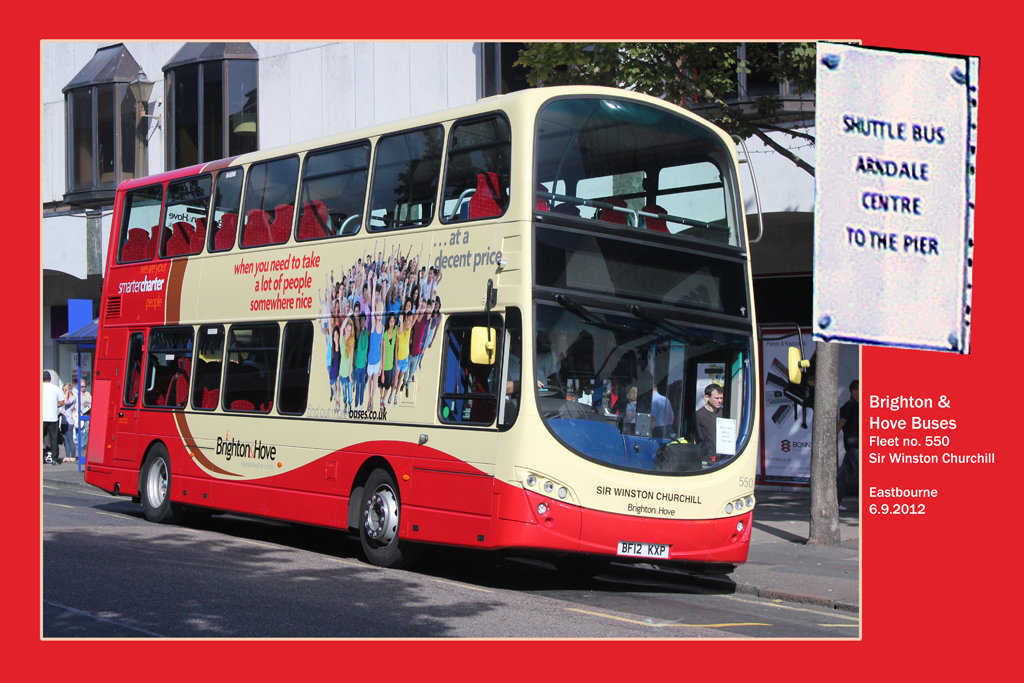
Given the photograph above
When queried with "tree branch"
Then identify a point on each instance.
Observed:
(800, 163)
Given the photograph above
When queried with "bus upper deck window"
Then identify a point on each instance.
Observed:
(478, 169)
(140, 225)
(406, 173)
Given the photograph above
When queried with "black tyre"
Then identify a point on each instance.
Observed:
(155, 486)
(379, 517)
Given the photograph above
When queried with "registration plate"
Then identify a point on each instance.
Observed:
(637, 549)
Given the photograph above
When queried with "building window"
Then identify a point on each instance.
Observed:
(104, 142)
(210, 91)
(499, 72)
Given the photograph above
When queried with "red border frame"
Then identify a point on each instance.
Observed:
(922, 612)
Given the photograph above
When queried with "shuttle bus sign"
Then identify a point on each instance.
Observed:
(895, 197)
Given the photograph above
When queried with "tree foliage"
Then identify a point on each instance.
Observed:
(694, 75)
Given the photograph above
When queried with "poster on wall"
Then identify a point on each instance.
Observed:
(788, 408)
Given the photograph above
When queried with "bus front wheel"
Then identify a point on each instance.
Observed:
(156, 487)
(379, 521)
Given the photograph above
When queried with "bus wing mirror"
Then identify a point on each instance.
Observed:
(482, 345)
(797, 365)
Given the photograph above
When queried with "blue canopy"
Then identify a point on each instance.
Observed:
(84, 335)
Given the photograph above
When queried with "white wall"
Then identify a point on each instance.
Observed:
(306, 90)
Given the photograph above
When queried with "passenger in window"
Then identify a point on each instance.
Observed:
(662, 417)
(627, 413)
(707, 416)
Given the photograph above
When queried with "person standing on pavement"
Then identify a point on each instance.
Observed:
(52, 402)
(77, 407)
(849, 424)
(66, 421)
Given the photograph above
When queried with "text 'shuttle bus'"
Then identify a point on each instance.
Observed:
(490, 327)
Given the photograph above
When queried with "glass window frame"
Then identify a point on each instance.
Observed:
(716, 151)
(136, 355)
(150, 371)
(199, 366)
(251, 194)
(107, 131)
(211, 234)
(464, 323)
(375, 176)
(305, 178)
(168, 221)
(504, 174)
(126, 222)
(228, 391)
(210, 110)
(283, 366)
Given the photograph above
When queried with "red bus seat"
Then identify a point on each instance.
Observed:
(180, 240)
(313, 221)
(611, 215)
(198, 236)
(225, 235)
(281, 227)
(256, 231)
(656, 224)
(541, 204)
(136, 247)
(488, 199)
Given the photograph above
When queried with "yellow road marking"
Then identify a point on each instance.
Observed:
(352, 563)
(115, 514)
(463, 585)
(664, 624)
(792, 608)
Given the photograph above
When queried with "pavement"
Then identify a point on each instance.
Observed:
(780, 566)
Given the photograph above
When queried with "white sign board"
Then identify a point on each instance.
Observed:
(894, 208)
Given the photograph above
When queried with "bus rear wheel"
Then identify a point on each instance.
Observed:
(155, 487)
(379, 521)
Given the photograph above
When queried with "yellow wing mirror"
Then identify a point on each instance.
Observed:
(482, 346)
(797, 365)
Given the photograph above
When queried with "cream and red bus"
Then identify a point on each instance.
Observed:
(491, 327)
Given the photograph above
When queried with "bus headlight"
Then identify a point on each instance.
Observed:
(531, 481)
(740, 504)
(562, 492)
(542, 509)
(548, 487)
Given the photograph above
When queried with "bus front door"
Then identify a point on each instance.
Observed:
(124, 403)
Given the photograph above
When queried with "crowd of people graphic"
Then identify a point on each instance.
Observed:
(379, 318)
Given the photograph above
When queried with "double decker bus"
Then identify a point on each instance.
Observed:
(492, 327)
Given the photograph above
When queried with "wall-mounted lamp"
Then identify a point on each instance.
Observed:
(141, 88)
